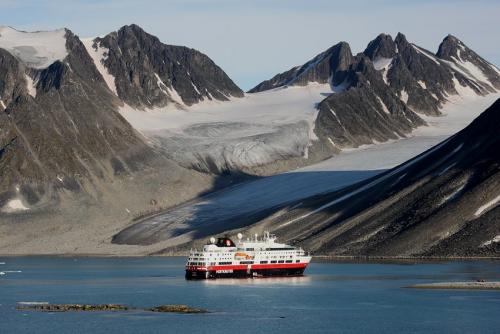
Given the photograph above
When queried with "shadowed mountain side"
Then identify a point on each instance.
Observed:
(235, 207)
(440, 203)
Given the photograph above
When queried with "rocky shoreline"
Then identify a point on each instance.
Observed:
(477, 285)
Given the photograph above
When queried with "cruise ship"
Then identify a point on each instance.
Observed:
(253, 257)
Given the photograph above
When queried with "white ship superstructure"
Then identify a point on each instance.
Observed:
(251, 257)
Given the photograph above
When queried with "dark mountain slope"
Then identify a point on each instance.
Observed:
(441, 203)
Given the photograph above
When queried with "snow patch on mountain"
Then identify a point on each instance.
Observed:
(457, 113)
(404, 96)
(384, 107)
(169, 91)
(31, 86)
(36, 49)
(487, 206)
(453, 194)
(99, 55)
(474, 71)
(382, 63)
(494, 240)
(14, 205)
(463, 91)
(427, 54)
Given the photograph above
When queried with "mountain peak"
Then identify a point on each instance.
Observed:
(135, 32)
(132, 28)
(382, 46)
(454, 50)
(400, 39)
(450, 47)
(148, 73)
(330, 65)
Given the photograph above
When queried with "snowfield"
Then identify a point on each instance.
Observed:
(99, 55)
(243, 133)
(36, 49)
(14, 205)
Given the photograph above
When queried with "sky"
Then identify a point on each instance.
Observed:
(252, 40)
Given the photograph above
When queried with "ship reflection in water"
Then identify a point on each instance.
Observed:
(296, 280)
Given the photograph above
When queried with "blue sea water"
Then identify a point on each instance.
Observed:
(331, 298)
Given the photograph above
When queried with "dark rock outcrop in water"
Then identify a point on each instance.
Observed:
(378, 94)
(107, 308)
(177, 309)
(73, 307)
(445, 203)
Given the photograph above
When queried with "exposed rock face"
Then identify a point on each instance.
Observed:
(381, 47)
(378, 100)
(329, 66)
(367, 112)
(148, 73)
(67, 129)
(444, 202)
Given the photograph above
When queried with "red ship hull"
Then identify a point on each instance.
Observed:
(235, 271)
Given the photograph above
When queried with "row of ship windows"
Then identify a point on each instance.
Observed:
(294, 251)
(267, 249)
(279, 261)
(229, 258)
(241, 262)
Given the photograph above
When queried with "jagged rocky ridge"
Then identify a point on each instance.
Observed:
(378, 94)
(444, 202)
(147, 73)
